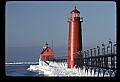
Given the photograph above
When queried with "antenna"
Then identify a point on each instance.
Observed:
(52, 44)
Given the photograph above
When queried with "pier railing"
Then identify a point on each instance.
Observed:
(102, 59)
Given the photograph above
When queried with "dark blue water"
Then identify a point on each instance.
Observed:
(20, 70)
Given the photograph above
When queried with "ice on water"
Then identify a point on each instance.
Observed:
(59, 69)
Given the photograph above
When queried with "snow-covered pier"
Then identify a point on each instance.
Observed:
(97, 62)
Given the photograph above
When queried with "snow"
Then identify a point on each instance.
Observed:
(57, 69)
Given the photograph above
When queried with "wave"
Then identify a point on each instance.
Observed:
(22, 63)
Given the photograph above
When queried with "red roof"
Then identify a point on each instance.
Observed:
(74, 11)
(46, 49)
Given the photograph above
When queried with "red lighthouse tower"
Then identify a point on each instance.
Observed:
(74, 36)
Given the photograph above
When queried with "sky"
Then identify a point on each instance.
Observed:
(32, 23)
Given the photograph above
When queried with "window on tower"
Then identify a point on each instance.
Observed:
(75, 15)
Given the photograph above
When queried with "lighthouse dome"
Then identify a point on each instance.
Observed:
(74, 11)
